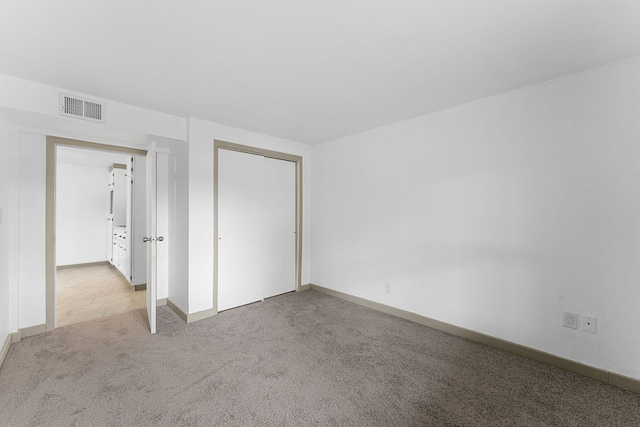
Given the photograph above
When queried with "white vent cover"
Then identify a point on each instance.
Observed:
(71, 106)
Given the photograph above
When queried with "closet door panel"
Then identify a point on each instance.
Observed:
(279, 213)
(240, 229)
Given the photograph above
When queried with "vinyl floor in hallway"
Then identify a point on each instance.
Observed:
(93, 292)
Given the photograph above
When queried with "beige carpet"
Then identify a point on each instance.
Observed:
(295, 360)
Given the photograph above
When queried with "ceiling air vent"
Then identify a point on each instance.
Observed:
(81, 108)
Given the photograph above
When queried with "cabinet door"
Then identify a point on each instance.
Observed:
(119, 197)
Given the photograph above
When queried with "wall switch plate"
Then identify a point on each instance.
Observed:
(570, 320)
(589, 323)
(387, 288)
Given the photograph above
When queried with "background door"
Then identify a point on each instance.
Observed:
(152, 262)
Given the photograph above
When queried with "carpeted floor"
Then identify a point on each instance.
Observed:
(298, 359)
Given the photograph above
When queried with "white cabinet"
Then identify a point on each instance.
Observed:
(128, 219)
(117, 216)
(120, 258)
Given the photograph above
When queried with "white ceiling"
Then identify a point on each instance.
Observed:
(308, 70)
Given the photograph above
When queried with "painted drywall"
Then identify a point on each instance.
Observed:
(178, 169)
(5, 319)
(12, 217)
(497, 215)
(162, 225)
(82, 211)
(31, 210)
(201, 135)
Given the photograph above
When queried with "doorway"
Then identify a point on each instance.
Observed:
(100, 220)
(50, 246)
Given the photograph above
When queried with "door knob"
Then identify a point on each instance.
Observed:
(160, 238)
(146, 239)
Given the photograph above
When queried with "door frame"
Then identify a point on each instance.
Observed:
(217, 145)
(50, 223)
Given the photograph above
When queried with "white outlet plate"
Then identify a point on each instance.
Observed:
(387, 288)
(589, 323)
(570, 320)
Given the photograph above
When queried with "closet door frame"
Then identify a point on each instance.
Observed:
(224, 145)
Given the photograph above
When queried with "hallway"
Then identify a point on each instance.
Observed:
(93, 292)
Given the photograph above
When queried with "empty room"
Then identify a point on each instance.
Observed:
(320, 213)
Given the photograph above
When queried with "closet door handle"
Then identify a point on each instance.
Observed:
(160, 238)
(146, 239)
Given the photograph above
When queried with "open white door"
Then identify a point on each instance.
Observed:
(151, 239)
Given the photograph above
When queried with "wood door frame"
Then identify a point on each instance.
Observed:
(50, 223)
(217, 145)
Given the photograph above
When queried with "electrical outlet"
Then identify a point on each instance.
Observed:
(387, 288)
(570, 320)
(589, 323)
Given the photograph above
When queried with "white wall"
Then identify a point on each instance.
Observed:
(497, 215)
(178, 289)
(12, 217)
(31, 211)
(82, 209)
(5, 302)
(164, 204)
(201, 135)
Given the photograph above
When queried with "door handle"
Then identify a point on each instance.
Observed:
(160, 238)
(147, 239)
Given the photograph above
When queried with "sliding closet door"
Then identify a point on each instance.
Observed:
(240, 242)
(279, 215)
(256, 228)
